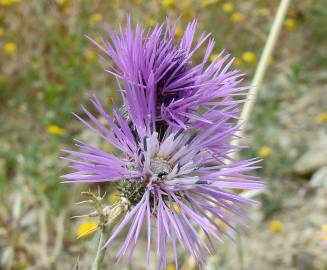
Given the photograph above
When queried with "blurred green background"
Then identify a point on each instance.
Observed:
(48, 69)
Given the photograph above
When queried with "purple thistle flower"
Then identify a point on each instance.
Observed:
(174, 171)
(157, 71)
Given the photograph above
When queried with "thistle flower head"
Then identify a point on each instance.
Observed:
(174, 134)
(160, 81)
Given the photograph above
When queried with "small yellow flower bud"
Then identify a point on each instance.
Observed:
(55, 130)
(265, 151)
(9, 2)
(6, 2)
(228, 7)
(276, 226)
(96, 17)
(9, 48)
(206, 3)
(249, 57)
(290, 24)
(322, 117)
(169, 4)
(62, 2)
(237, 17)
(171, 267)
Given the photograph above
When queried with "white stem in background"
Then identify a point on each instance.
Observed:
(263, 64)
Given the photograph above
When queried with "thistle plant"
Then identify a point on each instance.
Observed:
(174, 135)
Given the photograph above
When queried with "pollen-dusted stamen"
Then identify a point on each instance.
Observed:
(160, 167)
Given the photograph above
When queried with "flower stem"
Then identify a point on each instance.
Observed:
(97, 265)
(108, 218)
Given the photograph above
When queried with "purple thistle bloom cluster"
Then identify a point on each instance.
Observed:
(174, 133)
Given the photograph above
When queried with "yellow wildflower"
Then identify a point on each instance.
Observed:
(264, 12)
(90, 55)
(6, 2)
(276, 225)
(151, 22)
(169, 4)
(62, 2)
(237, 17)
(170, 267)
(178, 31)
(206, 3)
(237, 62)
(86, 228)
(55, 130)
(249, 57)
(290, 24)
(2, 31)
(188, 14)
(9, 2)
(9, 48)
(265, 151)
(228, 7)
(96, 17)
(323, 233)
(322, 117)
